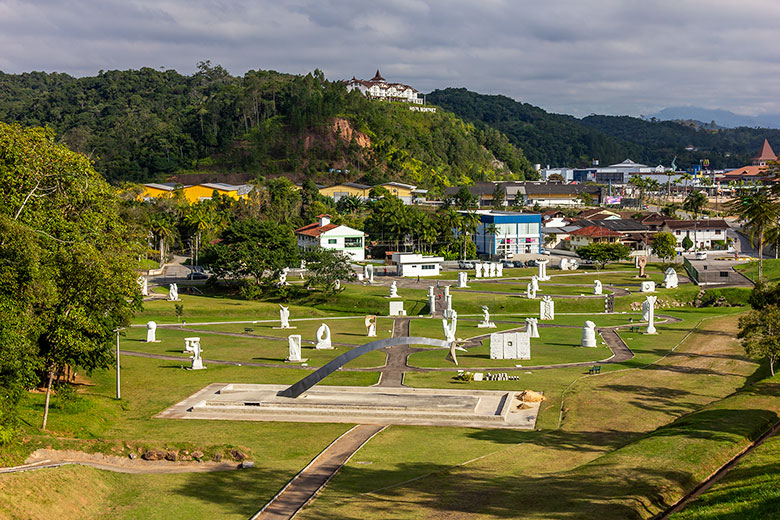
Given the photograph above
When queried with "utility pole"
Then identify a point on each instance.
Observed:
(118, 392)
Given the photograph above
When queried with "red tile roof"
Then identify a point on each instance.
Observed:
(751, 171)
(314, 230)
(700, 224)
(595, 232)
(766, 153)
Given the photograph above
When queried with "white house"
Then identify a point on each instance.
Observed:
(331, 236)
(703, 233)
(378, 88)
(414, 264)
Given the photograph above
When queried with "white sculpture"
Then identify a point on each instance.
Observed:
(432, 304)
(651, 314)
(189, 344)
(283, 277)
(394, 290)
(323, 338)
(173, 293)
(510, 345)
(450, 327)
(397, 308)
(547, 308)
(597, 289)
(143, 284)
(370, 323)
(530, 291)
(448, 311)
(532, 327)
(486, 323)
(492, 269)
(478, 270)
(430, 291)
(338, 284)
(499, 269)
(588, 335)
(543, 270)
(446, 291)
(647, 287)
(284, 315)
(197, 362)
(368, 273)
(462, 279)
(535, 282)
(294, 343)
(645, 311)
(151, 330)
(569, 264)
(670, 278)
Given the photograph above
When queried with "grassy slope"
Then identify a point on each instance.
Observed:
(771, 269)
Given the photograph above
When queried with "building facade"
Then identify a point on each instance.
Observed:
(379, 88)
(415, 264)
(505, 234)
(323, 234)
(704, 233)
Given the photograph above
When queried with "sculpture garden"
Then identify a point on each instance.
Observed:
(673, 380)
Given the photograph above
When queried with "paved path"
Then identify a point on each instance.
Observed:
(393, 371)
(306, 484)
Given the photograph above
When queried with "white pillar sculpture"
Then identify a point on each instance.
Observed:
(462, 279)
(448, 307)
(450, 327)
(284, 315)
(597, 288)
(151, 330)
(323, 338)
(430, 291)
(543, 270)
(670, 278)
(478, 270)
(492, 269)
(651, 314)
(532, 327)
(143, 285)
(486, 323)
(530, 291)
(432, 304)
(394, 290)
(446, 291)
(368, 273)
(370, 322)
(294, 344)
(499, 269)
(535, 282)
(194, 347)
(547, 308)
(645, 311)
(588, 335)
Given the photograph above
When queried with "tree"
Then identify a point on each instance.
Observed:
(251, 248)
(664, 245)
(759, 333)
(695, 202)
(603, 253)
(585, 198)
(465, 200)
(86, 262)
(687, 243)
(325, 266)
(758, 209)
(499, 196)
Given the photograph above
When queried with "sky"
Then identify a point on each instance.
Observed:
(571, 56)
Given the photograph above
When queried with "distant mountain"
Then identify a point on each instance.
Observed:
(723, 118)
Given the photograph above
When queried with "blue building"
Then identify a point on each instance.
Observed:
(505, 233)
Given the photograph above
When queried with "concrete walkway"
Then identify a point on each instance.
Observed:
(393, 371)
(306, 484)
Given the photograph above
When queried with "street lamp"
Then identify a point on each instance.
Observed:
(118, 393)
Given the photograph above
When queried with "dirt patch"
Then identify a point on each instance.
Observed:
(124, 464)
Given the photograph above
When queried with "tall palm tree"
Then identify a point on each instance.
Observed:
(758, 209)
(161, 228)
(695, 202)
(772, 236)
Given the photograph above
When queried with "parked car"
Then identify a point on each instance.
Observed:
(544, 251)
(530, 263)
(701, 255)
(465, 264)
(195, 275)
(518, 263)
(508, 263)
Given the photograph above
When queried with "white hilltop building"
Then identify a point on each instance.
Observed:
(323, 234)
(379, 88)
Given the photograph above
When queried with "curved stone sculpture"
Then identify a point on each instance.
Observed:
(323, 338)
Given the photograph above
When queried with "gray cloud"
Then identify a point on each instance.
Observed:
(605, 56)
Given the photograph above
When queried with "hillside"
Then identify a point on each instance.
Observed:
(562, 140)
(144, 125)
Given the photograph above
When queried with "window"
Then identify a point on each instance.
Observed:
(717, 231)
(678, 232)
(331, 241)
(353, 242)
(428, 266)
(724, 274)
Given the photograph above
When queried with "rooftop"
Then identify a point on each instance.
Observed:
(714, 223)
(595, 232)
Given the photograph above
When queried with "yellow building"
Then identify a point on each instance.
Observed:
(406, 192)
(345, 190)
(196, 192)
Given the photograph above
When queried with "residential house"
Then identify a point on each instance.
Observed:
(322, 233)
(704, 233)
(408, 193)
(415, 264)
(592, 234)
(345, 190)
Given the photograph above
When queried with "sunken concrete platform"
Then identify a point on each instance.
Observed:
(362, 405)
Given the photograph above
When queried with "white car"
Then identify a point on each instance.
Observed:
(701, 255)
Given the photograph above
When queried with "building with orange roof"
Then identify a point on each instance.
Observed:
(593, 235)
(323, 234)
(765, 154)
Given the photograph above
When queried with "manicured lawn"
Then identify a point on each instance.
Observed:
(771, 269)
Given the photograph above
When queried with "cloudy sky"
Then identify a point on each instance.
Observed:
(573, 56)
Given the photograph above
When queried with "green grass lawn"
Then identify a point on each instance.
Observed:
(749, 491)
(771, 269)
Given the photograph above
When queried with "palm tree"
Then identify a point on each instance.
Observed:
(758, 209)
(773, 237)
(161, 227)
(695, 202)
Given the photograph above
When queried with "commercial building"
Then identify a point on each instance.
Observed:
(504, 233)
(195, 192)
(415, 264)
(345, 190)
(379, 88)
(323, 234)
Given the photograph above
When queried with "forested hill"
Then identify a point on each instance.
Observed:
(562, 140)
(143, 125)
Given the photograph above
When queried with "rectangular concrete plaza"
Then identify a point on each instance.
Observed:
(362, 405)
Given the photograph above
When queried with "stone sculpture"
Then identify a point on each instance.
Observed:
(337, 285)
(294, 343)
(283, 278)
(543, 270)
(397, 309)
(370, 322)
(189, 344)
(143, 285)
(462, 279)
(151, 330)
(448, 311)
(588, 335)
(641, 263)
(450, 326)
(651, 314)
(492, 269)
(547, 308)
(478, 270)
(510, 345)
(670, 278)
(530, 291)
(430, 291)
(647, 287)
(499, 269)
(597, 288)
(446, 291)
(173, 293)
(284, 315)
(486, 323)
(394, 290)
(323, 338)
(431, 304)
(535, 282)
(197, 362)
(645, 311)
(368, 273)
(532, 327)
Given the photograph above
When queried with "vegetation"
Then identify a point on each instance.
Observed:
(664, 245)
(604, 253)
(760, 211)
